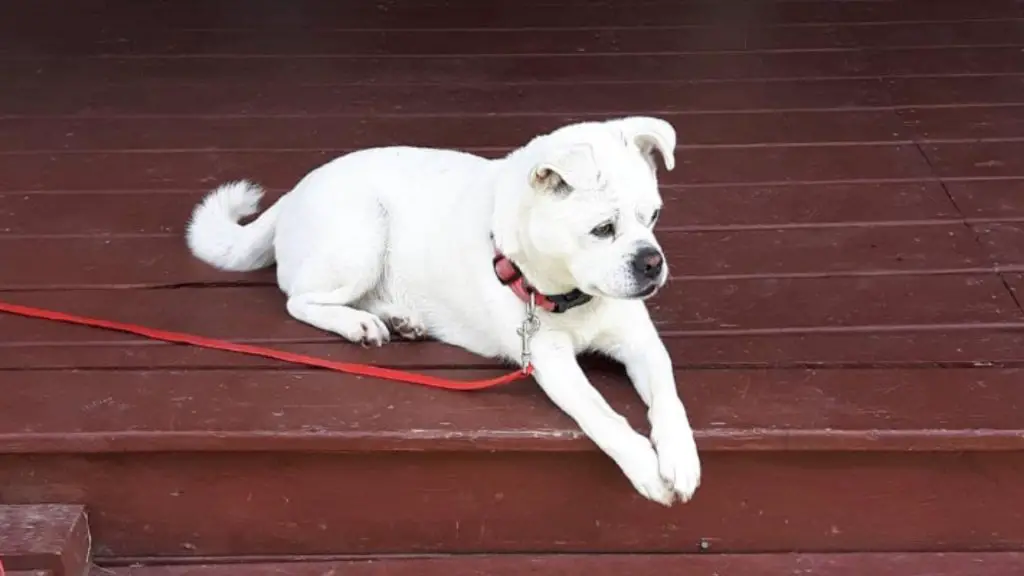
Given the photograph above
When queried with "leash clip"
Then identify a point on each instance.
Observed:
(529, 328)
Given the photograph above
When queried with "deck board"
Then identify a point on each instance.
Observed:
(844, 229)
(154, 169)
(480, 133)
(273, 503)
(280, 95)
(779, 206)
(990, 564)
(271, 15)
(802, 410)
(891, 249)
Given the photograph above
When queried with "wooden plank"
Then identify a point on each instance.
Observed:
(81, 412)
(235, 14)
(468, 42)
(471, 42)
(988, 199)
(585, 67)
(262, 504)
(981, 122)
(854, 564)
(945, 60)
(278, 96)
(874, 321)
(1016, 284)
(977, 159)
(494, 69)
(282, 168)
(1004, 242)
(921, 347)
(101, 261)
(484, 134)
(715, 308)
(964, 33)
(703, 208)
(48, 538)
(149, 97)
(952, 91)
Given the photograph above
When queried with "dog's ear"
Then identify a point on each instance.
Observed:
(650, 134)
(565, 169)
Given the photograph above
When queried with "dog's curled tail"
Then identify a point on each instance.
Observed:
(215, 236)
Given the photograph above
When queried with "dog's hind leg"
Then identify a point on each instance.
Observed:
(330, 284)
(330, 311)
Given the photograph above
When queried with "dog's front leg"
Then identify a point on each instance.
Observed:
(635, 342)
(562, 379)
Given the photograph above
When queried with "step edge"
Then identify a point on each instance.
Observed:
(555, 440)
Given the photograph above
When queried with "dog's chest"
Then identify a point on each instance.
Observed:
(582, 329)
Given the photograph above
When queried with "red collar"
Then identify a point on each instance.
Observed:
(510, 275)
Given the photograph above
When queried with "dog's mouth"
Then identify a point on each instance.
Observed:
(645, 293)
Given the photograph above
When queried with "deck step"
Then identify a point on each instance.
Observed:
(44, 539)
(274, 463)
(856, 564)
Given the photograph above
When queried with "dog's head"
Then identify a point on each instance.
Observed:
(585, 214)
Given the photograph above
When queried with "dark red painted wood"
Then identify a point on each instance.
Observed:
(487, 134)
(336, 503)
(282, 168)
(1016, 283)
(719, 307)
(996, 198)
(698, 255)
(947, 33)
(327, 15)
(174, 74)
(276, 96)
(1003, 241)
(480, 69)
(964, 123)
(946, 91)
(946, 61)
(977, 159)
(584, 67)
(945, 564)
(872, 321)
(918, 347)
(732, 410)
(704, 208)
(468, 42)
(50, 539)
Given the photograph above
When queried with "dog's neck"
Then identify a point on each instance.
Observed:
(511, 275)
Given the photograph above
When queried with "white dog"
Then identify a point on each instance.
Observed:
(416, 243)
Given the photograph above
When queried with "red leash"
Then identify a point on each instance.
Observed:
(199, 341)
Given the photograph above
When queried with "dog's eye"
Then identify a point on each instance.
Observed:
(605, 230)
(654, 217)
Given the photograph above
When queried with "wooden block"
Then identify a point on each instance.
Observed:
(38, 539)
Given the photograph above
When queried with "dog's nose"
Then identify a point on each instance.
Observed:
(648, 262)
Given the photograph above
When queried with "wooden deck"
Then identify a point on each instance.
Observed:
(846, 226)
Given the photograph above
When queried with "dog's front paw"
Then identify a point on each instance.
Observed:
(678, 460)
(641, 468)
